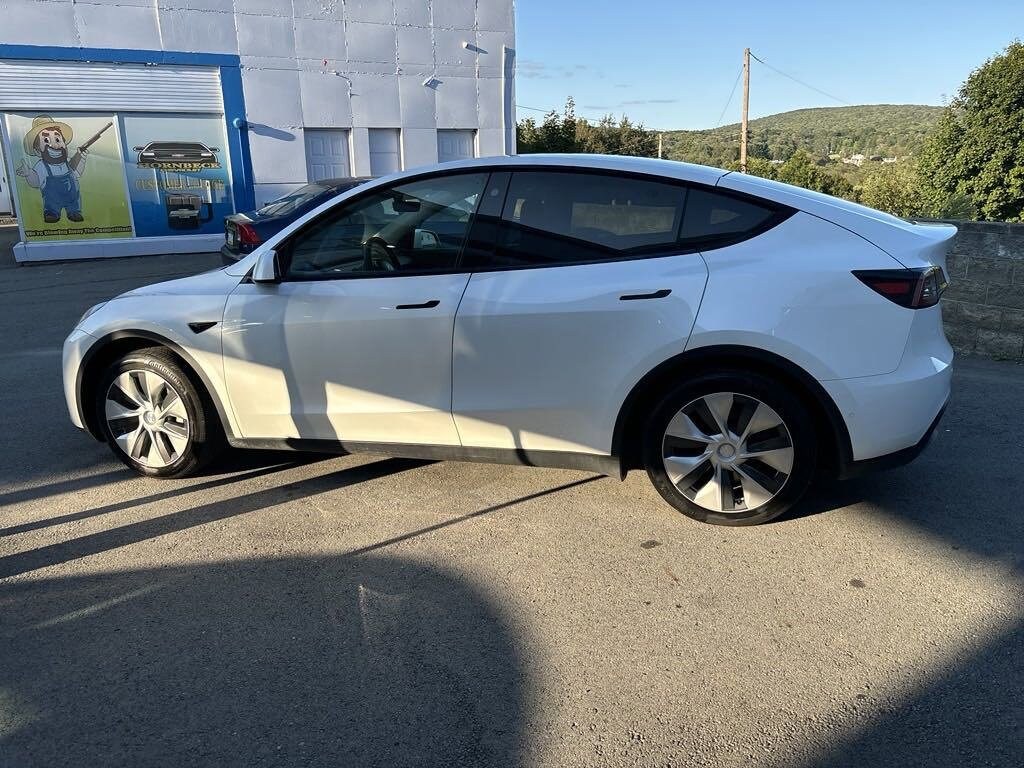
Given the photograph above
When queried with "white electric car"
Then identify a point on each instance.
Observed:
(733, 336)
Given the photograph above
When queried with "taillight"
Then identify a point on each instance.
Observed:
(247, 235)
(911, 288)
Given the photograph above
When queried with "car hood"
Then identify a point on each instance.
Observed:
(214, 282)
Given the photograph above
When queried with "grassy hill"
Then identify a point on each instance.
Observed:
(873, 129)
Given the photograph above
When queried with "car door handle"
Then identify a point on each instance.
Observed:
(637, 296)
(425, 305)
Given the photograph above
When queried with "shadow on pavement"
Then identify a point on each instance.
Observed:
(133, 533)
(339, 660)
(964, 491)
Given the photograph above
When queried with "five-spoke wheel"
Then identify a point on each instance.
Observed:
(155, 418)
(733, 448)
(147, 418)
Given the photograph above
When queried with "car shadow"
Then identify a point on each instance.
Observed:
(365, 660)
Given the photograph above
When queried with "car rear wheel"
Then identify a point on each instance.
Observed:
(730, 448)
(154, 419)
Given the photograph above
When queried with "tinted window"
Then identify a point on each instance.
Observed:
(414, 227)
(291, 202)
(711, 216)
(560, 217)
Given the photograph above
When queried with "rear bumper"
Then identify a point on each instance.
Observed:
(229, 256)
(889, 418)
(891, 460)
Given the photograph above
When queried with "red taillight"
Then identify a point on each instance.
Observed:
(247, 235)
(911, 288)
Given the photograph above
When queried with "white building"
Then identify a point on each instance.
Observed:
(200, 108)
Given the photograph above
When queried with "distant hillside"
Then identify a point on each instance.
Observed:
(874, 129)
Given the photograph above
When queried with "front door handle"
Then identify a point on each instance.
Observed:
(425, 305)
(637, 296)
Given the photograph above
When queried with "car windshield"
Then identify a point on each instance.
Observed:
(291, 202)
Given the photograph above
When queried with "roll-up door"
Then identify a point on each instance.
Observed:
(56, 85)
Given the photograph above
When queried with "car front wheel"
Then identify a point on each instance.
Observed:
(155, 420)
(731, 448)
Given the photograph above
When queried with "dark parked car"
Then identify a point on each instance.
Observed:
(243, 232)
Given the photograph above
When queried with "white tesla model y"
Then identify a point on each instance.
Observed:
(733, 336)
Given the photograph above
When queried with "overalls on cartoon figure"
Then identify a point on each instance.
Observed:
(54, 174)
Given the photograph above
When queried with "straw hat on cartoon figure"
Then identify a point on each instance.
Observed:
(54, 175)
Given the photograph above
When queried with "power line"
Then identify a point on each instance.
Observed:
(799, 81)
(729, 100)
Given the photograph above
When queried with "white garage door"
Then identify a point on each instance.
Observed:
(454, 145)
(385, 151)
(326, 154)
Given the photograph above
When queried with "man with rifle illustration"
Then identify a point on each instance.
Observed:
(54, 175)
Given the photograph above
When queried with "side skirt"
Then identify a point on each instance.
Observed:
(587, 462)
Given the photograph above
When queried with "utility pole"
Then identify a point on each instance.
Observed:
(659, 144)
(746, 109)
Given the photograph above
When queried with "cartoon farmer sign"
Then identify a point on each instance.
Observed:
(54, 174)
(59, 198)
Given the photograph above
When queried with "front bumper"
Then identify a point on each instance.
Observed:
(75, 347)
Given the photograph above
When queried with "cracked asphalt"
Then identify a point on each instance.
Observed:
(291, 610)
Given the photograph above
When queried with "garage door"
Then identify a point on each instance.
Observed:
(326, 154)
(454, 145)
(385, 151)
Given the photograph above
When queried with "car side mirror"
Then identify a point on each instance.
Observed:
(425, 240)
(267, 268)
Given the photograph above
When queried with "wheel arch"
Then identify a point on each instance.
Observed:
(113, 345)
(829, 425)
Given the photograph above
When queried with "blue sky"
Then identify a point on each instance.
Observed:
(672, 64)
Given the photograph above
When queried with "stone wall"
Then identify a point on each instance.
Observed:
(983, 308)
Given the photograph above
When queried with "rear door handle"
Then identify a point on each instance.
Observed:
(637, 296)
(425, 305)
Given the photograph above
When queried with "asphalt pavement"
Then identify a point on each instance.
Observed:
(289, 610)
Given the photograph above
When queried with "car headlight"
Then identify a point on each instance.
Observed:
(89, 311)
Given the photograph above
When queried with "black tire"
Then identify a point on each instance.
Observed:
(797, 420)
(205, 439)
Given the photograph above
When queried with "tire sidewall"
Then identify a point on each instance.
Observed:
(133, 362)
(771, 393)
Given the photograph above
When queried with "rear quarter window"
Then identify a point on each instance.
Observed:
(714, 219)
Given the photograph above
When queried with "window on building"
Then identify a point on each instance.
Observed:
(385, 151)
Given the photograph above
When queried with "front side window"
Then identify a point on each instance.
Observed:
(417, 227)
(552, 218)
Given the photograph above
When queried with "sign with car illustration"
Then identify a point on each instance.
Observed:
(69, 177)
(177, 174)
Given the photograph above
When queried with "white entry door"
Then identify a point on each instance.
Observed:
(454, 145)
(326, 154)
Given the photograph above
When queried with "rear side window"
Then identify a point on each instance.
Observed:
(552, 218)
(714, 219)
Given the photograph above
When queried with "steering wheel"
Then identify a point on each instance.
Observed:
(377, 257)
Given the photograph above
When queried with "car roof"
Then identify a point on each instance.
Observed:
(343, 180)
(700, 174)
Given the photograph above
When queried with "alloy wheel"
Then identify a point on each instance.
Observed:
(727, 452)
(147, 418)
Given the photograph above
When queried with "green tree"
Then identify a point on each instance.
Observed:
(568, 133)
(802, 171)
(556, 134)
(895, 188)
(976, 154)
